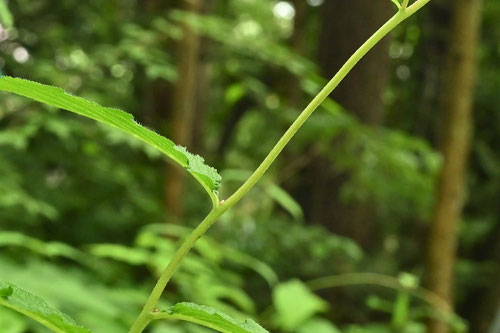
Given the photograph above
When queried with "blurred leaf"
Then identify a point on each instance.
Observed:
(317, 325)
(6, 19)
(263, 269)
(401, 310)
(83, 293)
(408, 280)
(379, 304)
(130, 255)
(211, 318)
(50, 249)
(234, 93)
(370, 328)
(36, 308)
(213, 290)
(286, 201)
(194, 164)
(216, 251)
(295, 304)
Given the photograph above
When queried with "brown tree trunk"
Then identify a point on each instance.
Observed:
(202, 87)
(293, 91)
(345, 26)
(435, 28)
(184, 106)
(457, 104)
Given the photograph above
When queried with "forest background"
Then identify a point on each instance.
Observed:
(383, 209)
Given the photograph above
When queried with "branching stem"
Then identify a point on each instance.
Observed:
(146, 315)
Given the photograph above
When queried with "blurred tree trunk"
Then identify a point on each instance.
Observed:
(345, 26)
(184, 108)
(482, 305)
(202, 87)
(293, 91)
(435, 28)
(457, 104)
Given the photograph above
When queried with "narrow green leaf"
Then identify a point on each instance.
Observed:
(37, 309)
(206, 175)
(286, 201)
(50, 249)
(130, 255)
(209, 317)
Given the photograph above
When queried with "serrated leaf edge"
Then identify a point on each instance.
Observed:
(183, 157)
(170, 313)
(29, 314)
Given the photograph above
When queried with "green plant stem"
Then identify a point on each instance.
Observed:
(321, 96)
(382, 280)
(146, 315)
(442, 309)
(400, 311)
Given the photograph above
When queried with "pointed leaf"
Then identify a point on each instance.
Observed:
(209, 317)
(36, 308)
(206, 175)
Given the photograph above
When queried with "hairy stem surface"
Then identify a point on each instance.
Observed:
(147, 312)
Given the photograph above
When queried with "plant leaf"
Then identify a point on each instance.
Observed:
(295, 304)
(209, 317)
(6, 18)
(50, 249)
(37, 309)
(318, 325)
(286, 201)
(130, 255)
(206, 175)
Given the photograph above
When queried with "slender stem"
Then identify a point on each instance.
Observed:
(320, 97)
(379, 280)
(146, 315)
(443, 309)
